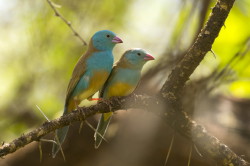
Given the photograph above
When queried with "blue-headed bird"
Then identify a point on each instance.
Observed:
(89, 75)
(122, 81)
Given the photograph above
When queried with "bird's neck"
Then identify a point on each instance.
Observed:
(91, 48)
(127, 65)
(99, 47)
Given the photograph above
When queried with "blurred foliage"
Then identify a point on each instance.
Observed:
(38, 51)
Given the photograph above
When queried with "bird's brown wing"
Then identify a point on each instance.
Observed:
(78, 72)
(111, 75)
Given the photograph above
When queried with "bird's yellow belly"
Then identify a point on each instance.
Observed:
(120, 89)
(95, 84)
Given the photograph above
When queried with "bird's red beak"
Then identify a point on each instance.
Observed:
(117, 40)
(149, 57)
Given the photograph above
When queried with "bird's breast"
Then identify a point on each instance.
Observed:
(119, 89)
(95, 84)
(98, 79)
(100, 61)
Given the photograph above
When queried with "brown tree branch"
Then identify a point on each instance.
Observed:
(179, 121)
(68, 23)
(210, 145)
(173, 87)
(138, 101)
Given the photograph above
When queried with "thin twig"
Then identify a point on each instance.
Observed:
(68, 23)
(190, 155)
(47, 140)
(170, 148)
(213, 53)
(197, 151)
(80, 128)
(60, 146)
(40, 151)
(95, 131)
(42, 113)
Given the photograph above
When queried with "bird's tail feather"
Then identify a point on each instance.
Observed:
(102, 128)
(60, 136)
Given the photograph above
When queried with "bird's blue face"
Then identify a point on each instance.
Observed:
(137, 57)
(105, 40)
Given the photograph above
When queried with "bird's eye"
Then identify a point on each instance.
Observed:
(139, 54)
(108, 35)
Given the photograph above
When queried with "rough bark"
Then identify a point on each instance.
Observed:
(180, 74)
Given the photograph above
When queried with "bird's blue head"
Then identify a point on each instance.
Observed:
(136, 58)
(105, 40)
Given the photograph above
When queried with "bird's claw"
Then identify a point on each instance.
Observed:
(94, 99)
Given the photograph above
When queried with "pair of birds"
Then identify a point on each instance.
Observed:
(94, 71)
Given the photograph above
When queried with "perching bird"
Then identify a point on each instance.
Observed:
(89, 75)
(122, 81)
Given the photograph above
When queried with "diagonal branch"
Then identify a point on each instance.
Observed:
(210, 145)
(68, 23)
(104, 106)
(173, 87)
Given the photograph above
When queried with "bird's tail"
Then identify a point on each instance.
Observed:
(60, 136)
(102, 128)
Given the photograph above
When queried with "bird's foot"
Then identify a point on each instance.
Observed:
(94, 99)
